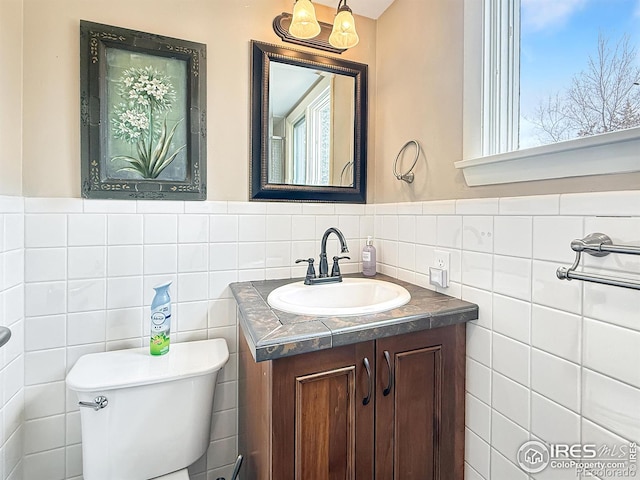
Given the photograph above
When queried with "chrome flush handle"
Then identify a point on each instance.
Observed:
(98, 403)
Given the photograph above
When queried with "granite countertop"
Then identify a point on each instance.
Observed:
(272, 334)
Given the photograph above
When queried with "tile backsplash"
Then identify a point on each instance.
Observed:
(12, 360)
(547, 359)
(89, 269)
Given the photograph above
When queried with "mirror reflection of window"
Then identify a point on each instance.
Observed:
(323, 140)
(276, 150)
(311, 147)
(298, 168)
(311, 127)
(311, 164)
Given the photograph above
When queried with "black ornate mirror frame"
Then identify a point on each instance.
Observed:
(262, 55)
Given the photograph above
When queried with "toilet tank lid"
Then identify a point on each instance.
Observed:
(133, 367)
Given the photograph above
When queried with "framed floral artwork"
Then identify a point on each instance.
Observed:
(143, 115)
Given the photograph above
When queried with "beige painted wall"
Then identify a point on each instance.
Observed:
(419, 95)
(342, 134)
(415, 91)
(419, 78)
(10, 97)
(51, 85)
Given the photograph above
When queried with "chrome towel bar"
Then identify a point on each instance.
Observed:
(598, 245)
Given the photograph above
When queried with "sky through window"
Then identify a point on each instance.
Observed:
(557, 39)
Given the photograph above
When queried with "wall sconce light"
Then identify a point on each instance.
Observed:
(303, 28)
(344, 33)
(303, 22)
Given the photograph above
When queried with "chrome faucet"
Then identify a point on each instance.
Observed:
(323, 271)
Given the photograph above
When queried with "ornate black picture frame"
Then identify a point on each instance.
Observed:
(143, 115)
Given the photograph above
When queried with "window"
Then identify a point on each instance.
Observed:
(526, 61)
(300, 151)
(319, 134)
(310, 127)
(579, 69)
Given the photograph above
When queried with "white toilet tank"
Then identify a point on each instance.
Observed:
(158, 416)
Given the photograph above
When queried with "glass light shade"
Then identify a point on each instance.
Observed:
(344, 33)
(303, 22)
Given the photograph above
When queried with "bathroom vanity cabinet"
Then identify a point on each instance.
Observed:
(390, 408)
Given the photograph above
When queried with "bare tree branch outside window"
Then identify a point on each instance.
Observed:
(605, 97)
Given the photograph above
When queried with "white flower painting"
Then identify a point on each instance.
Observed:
(141, 119)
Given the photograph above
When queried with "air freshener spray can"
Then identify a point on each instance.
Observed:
(160, 320)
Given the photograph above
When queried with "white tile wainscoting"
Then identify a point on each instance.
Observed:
(547, 359)
(12, 354)
(89, 269)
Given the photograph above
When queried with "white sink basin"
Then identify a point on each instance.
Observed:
(352, 296)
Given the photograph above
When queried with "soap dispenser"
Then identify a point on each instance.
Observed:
(369, 259)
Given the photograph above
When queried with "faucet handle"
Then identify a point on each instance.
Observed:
(335, 269)
(311, 271)
(310, 260)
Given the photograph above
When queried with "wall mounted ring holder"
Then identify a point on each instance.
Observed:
(409, 176)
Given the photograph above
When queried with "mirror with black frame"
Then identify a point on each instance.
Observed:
(308, 126)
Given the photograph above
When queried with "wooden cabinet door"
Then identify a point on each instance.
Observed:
(322, 428)
(420, 405)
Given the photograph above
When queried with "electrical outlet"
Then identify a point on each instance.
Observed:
(441, 259)
(439, 273)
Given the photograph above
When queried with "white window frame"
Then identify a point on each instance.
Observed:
(308, 108)
(314, 134)
(491, 112)
(297, 176)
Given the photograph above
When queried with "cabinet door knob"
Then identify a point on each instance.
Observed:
(387, 390)
(367, 399)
